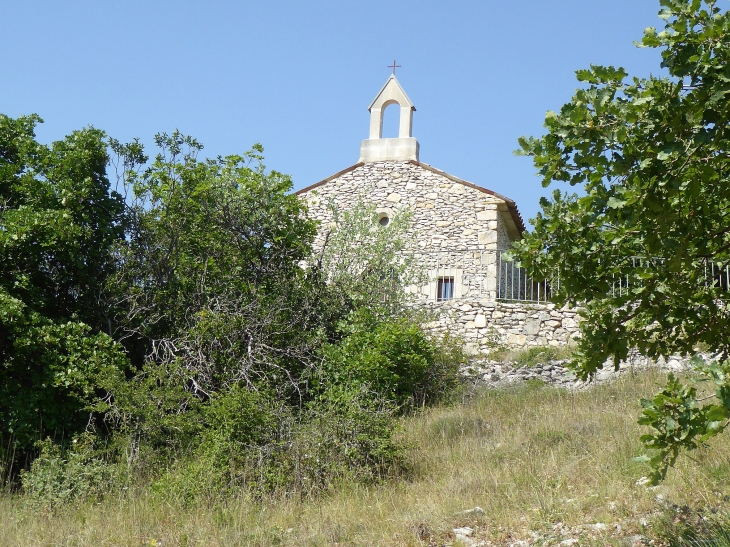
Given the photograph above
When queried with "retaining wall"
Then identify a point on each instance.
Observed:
(483, 325)
(498, 374)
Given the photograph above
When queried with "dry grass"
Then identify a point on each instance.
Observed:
(530, 457)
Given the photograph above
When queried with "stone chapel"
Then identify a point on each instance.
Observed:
(459, 230)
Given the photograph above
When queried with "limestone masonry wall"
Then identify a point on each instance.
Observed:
(484, 324)
(456, 230)
(446, 214)
(498, 374)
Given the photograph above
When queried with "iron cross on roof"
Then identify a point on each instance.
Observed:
(394, 66)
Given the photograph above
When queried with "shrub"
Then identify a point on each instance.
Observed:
(218, 440)
(441, 383)
(342, 435)
(395, 358)
(156, 415)
(55, 373)
(347, 435)
(60, 476)
(240, 417)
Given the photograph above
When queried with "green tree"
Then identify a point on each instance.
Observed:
(211, 279)
(366, 263)
(645, 249)
(59, 223)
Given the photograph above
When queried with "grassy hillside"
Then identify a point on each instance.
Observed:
(545, 465)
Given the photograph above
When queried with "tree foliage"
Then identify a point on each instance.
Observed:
(183, 323)
(645, 248)
(59, 223)
(210, 277)
(366, 264)
(394, 358)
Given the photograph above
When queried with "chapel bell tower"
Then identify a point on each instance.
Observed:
(405, 147)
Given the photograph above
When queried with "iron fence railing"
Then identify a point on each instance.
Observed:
(513, 283)
(712, 275)
(488, 274)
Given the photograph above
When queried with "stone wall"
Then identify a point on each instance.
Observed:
(446, 214)
(456, 227)
(483, 325)
(504, 239)
(499, 374)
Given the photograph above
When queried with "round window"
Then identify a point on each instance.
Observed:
(384, 220)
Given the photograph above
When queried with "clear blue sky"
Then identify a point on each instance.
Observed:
(298, 76)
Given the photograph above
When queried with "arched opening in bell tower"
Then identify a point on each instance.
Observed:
(391, 120)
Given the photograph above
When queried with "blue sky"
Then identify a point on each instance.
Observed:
(298, 76)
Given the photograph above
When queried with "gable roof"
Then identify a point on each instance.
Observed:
(511, 205)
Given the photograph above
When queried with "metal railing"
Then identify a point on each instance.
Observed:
(488, 275)
(513, 283)
(713, 275)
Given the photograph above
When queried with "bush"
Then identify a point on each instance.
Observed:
(442, 380)
(261, 450)
(238, 425)
(347, 434)
(395, 358)
(60, 476)
(156, 416)
(55, 373)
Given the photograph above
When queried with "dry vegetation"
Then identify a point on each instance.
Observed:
(530, 457)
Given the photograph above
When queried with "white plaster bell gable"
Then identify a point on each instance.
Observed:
(403, 148)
